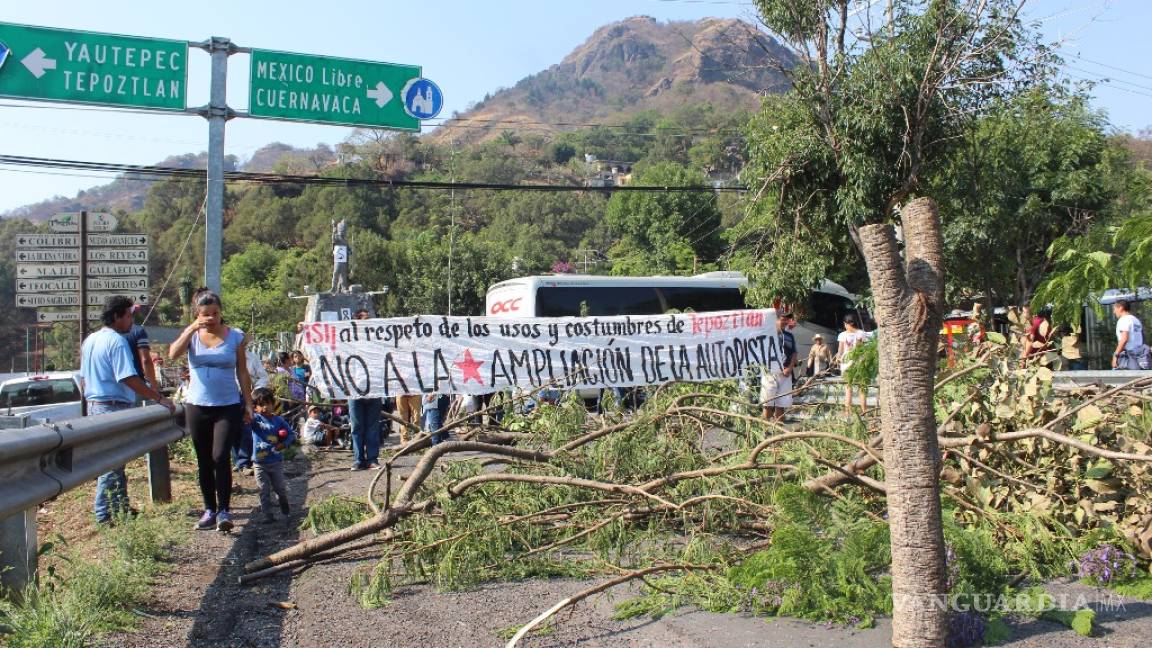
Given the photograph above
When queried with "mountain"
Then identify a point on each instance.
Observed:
(127, 191)
(630, 66)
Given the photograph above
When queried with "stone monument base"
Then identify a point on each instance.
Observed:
(325, 307)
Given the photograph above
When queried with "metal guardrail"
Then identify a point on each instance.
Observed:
(45, 460)
(1105, 377)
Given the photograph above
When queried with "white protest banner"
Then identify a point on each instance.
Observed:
(479, 355)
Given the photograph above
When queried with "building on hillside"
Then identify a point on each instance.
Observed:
(607, 173)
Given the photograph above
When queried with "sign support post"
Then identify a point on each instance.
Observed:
(217, 113)
(83, 287)
(83, 276)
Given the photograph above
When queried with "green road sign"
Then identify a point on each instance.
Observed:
(87, 67)
(326, 90)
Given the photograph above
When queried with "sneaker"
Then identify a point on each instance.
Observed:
(223, 521)
(373, 466)
(356, 467)
(207, 521)
(284, 507)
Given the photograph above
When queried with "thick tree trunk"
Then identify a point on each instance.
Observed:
(909, 297)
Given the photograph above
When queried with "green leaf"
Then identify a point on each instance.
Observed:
(1081, 621)
(1100, 470)
(996, 338)
(996, 631)
(1140, 588)
(1102, 259)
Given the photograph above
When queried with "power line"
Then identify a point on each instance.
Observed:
(280, 178)
(1113, 67)
(1109, 79)
(1105, 83)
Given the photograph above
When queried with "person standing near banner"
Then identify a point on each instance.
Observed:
(364, 417)
(776, 386)
(409, 410)
(110, 382)
(219, 402)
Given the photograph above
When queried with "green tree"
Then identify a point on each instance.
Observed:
(664, 232)
(1115, 254)
(1036, 167)
(832, 164)
(510, 139)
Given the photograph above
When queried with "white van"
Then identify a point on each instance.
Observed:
(572, 295)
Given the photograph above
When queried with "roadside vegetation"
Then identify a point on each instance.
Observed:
(701, 503)
(82, 595)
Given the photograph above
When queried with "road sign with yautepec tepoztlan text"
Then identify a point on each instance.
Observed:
(49, 64)
(328, 90)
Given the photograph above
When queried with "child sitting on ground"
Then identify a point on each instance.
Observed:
(270, 435)
(315, 431)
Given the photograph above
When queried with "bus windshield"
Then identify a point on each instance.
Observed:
(575, 301)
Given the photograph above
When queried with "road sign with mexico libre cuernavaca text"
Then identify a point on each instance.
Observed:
(50, 64)
(329, 90)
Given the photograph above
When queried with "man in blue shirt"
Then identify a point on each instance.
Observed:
(110, 382)
(776, 386)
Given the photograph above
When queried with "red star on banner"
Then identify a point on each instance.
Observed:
(470, 367)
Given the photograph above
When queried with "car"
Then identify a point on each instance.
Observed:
(52, 396)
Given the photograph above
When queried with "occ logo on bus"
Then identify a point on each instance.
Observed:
(506, 306)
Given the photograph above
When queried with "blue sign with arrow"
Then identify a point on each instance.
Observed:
(422, 99)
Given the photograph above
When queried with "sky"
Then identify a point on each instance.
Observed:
(469, 48)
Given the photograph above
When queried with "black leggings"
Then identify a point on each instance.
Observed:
(213, 429)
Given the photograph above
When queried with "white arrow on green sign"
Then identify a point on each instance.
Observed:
(90, 67)
(328, 90)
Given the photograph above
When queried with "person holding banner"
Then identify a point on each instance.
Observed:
(434, 408)
(219, 402)
(776, 386)
(364, 417)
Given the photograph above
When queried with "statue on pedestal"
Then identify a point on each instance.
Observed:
(341, 255)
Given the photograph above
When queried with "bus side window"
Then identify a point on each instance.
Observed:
(828, 310)
(702, 299)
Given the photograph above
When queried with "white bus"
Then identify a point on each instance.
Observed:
(572, 295)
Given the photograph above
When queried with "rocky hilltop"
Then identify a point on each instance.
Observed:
(633, 65)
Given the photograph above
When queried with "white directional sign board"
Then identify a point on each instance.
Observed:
(41, 271)
(70, 222)
(24, 286)
(63, 316)
(72, 256)
(26, 241)
(126, 284)
(94, 299)
(30, 286)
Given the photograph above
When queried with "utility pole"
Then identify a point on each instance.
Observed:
(588, 262)
(451, 227)
(217, 113)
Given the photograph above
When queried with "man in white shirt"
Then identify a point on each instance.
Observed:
(256, 370)
(1130, 350)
